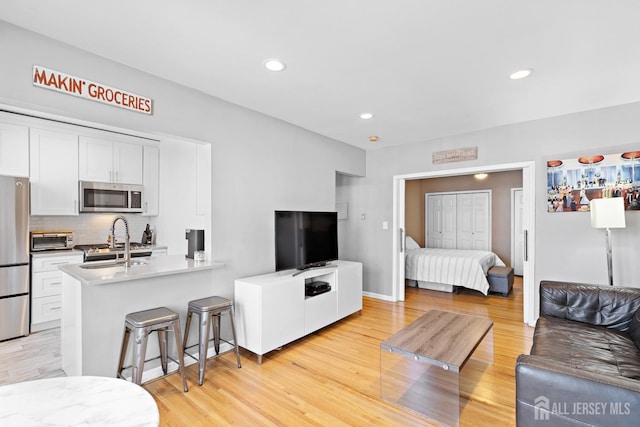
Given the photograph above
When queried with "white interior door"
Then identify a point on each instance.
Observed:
(473, 221)
(399, 235)
(449, 219)
(517, 231)
(482, 221)
(440, 224)
(433, 229)
(465, 222)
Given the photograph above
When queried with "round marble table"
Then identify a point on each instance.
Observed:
(77, 401)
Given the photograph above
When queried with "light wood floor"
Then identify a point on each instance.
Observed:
(330, 378)
(31, 358)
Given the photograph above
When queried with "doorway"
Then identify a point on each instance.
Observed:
(528, 215)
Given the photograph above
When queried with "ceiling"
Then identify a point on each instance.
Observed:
(426, 69)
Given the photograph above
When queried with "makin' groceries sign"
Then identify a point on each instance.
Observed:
(76, 86)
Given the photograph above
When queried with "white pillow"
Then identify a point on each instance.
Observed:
(409, 243)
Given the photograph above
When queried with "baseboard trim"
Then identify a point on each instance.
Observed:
(378, 296)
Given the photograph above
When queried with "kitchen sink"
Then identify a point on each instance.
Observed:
(98, 265)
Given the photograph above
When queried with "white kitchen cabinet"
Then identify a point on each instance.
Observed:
(95, 159)
(53, 161)
(14, 150)
(46, 288)
(104, 160)
(151, 180)
(127, 161)
(272, 310)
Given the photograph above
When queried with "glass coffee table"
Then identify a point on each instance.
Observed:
(421, 365)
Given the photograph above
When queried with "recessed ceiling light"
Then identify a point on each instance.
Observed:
(373, 138)
(521, 74)
(274, 64)
(366, 116)
(481, 176)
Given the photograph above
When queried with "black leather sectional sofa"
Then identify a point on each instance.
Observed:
(584, 366)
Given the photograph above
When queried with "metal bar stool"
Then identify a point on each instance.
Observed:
(209, 308)
(142, 323)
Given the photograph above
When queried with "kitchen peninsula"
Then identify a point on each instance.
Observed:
(96, 297)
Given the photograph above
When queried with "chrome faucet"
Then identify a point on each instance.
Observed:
(127, 249)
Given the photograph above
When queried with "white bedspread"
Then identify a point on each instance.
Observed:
(456, 267)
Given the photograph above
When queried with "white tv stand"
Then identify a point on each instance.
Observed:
(317, 267)
(271, 310)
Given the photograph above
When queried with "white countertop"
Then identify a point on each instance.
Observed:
(61, 252)
(151, 267)
(77, 401)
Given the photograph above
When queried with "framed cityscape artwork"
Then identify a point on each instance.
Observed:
(573, 183)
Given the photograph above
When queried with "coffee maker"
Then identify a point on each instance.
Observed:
(195, 241)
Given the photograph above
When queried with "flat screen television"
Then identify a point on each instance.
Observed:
(305, 239)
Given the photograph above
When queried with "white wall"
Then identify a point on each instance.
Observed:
(259, 164)
(268, 166)
(567, 248)
(177, 110)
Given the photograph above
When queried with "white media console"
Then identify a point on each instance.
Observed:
(271, 310)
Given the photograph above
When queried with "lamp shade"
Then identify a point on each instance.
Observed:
(607, 213)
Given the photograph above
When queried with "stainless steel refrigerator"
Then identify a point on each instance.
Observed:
(14, 257)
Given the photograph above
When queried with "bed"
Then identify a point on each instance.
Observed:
(442, 269)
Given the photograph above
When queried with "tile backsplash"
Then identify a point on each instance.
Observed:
(92, 228)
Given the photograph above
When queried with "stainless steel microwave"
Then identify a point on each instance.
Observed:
(110, 197)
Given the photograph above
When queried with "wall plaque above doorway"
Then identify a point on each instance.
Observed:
(455, 155)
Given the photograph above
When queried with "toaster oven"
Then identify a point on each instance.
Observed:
(51, 240)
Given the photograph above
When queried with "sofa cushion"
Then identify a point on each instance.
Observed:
(634, 328)
(587, 347)
(608, 306)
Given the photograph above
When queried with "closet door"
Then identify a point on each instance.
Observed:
(441, 221)
(433, 229)
(473, 221)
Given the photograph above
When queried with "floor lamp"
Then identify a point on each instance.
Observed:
(608, 213)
